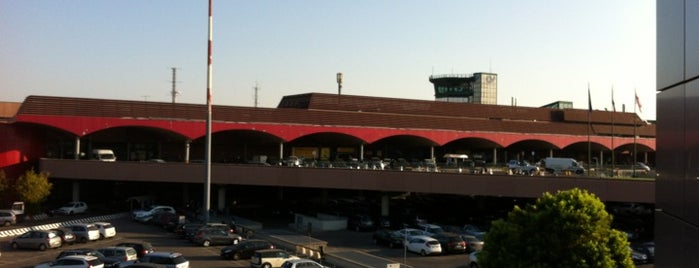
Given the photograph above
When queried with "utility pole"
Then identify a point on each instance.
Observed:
(174, 91)
(256, 88)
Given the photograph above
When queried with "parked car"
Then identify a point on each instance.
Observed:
(472, 243)
(406, 233)
(85, 232)
(214, 236)
(191, 229)
(66, 235)
(268, 258)
(360, 222)
(71, 208)
(74, 261)
(424, 245)
(106, 230)
(430, 229)
(474, 230)
(142, 248)
(245, 249)
(38, 239)
(108, 261)
(647, 247)
(126, 255)
(168, 259)
(473, 259)
(144, 265)
(146, 214)
(451, 243)
(387, 237)
(302, 263)
(7, 218)
(522, 167)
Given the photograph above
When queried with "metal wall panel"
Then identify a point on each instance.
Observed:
(691, 183)
(670, 43)
(670, 156)
(692, 43)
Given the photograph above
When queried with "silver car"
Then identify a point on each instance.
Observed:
(39, 239)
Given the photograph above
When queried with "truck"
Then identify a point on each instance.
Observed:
(17, 209)
(105, 155)
(561, 165)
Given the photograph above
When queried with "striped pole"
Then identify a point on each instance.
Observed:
(209, 74)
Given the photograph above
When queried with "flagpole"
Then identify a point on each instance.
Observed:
(589, 111)
(635, 100)
(613, 112)
(207, 155)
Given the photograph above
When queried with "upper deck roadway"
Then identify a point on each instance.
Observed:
(607, 189)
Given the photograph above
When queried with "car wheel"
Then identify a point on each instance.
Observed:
(236, 256)
(474, 265)
(83, 240)
(356, 228)
(15, 245)
(391, 245)
(423, 253)
(266, 265)
(206, 243)
(42, 247)
(7, 223)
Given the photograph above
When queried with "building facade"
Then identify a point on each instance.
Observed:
(677, 187)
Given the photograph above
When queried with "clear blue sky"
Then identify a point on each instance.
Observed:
(542, 51)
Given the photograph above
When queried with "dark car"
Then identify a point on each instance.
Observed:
(360, 222)
(472, 243)
(191, 229)
(108, 261)
(214, 236)
(142, 248)
(387, 237)
(244, 249)
(647, 248)
(451, 243)
(66, 235)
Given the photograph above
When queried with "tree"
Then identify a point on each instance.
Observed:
(33, 187)
(568, 229)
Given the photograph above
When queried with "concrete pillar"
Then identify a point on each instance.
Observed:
(187, 145)
(76, 191)
(281, 153)
(384, 205)
(221, 198)
(550, 152)
(495, 156)
(361, 152)
(77, 148)
(431, 152)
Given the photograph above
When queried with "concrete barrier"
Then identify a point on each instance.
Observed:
(19, 231)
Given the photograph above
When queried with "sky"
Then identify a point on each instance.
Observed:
(542, 51)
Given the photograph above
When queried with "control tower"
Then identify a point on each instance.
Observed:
(479, 88)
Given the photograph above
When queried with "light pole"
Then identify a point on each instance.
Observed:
(339, 83)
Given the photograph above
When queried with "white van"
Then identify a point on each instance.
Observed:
(559, 165)
(103, 155)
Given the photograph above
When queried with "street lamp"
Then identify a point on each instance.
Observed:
(339, 83)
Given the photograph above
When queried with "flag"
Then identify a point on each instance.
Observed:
(613, 106)
(589, 100)
(638, 103)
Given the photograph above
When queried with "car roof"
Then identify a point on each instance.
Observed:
(300, 260)
(83, 257)
(165, 253)
(423, 237)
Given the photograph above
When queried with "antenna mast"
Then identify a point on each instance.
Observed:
(174, 91)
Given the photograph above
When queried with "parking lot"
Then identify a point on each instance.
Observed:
(348, 243)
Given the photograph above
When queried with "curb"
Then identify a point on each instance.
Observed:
(19, 231)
